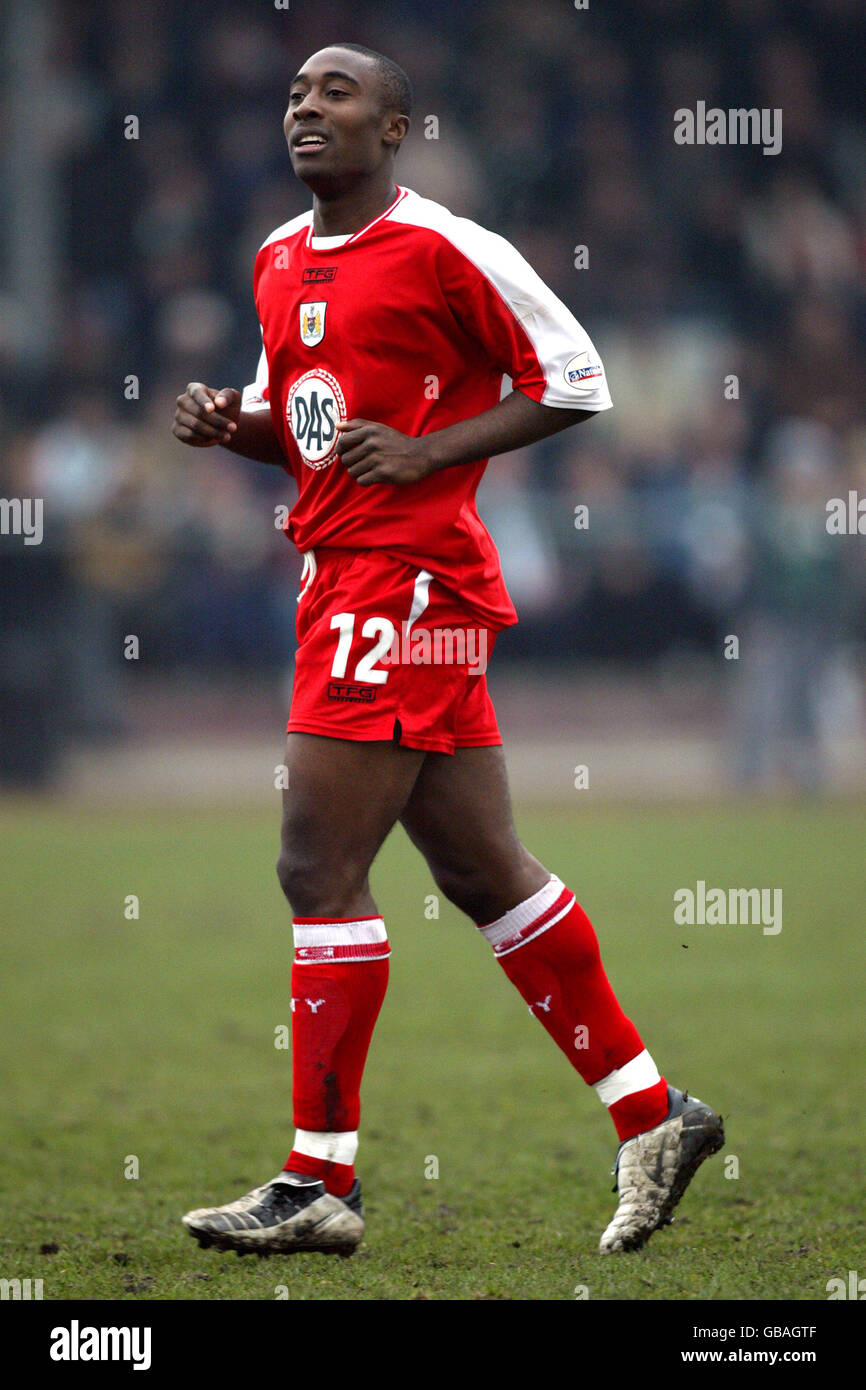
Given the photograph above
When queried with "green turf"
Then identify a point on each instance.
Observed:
(155, 1038)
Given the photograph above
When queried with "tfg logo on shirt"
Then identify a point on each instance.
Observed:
(319, 274)
(316, 402)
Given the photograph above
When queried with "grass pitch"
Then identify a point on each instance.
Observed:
(148, 1045)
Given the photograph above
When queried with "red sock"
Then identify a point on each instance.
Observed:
(339, 978)
(549, 950)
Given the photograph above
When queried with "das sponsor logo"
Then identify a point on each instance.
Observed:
(315, 404)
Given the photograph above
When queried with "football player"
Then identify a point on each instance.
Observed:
(388, 325)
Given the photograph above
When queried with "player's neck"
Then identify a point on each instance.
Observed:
(348, 212)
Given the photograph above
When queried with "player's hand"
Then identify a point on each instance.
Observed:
(377, 454)
(204, 416)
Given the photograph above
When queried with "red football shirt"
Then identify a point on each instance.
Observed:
(413, 321)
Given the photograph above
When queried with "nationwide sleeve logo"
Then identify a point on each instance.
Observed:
(580, 369)
(315, 404)
(313, 322)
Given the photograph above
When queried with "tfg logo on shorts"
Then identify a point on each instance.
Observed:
(76, 1343)
(347, 690)
(315, 404)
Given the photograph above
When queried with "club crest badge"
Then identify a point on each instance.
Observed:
(313, 322)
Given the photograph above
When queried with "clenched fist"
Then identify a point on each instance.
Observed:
(374, 453)
(205, 417)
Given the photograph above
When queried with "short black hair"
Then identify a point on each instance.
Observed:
(395, 86)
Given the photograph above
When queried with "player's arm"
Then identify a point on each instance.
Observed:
(375, 453)
(516, 421)
(205, 416)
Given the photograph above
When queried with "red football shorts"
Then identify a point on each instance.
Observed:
(386, 652)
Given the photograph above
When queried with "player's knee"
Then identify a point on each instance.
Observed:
(492, 884)
(469, 888)
(284, 874)
(297, 880)
(314, 888)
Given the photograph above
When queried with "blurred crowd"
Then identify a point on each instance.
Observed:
(725, 289)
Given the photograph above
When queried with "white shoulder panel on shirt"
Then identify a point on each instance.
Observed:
(501, 262)
(575, 375)
(302, 220)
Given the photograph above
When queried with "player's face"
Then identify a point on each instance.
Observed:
(335, 126)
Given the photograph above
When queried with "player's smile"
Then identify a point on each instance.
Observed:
(305, 142)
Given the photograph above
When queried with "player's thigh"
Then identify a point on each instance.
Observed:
(459, 815)
(342, 798)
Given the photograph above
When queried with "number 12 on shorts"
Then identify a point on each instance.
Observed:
(365, 670)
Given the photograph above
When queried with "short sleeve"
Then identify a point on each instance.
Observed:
(256, 396)
(526, 330)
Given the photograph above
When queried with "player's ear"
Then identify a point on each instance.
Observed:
(396, 130)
